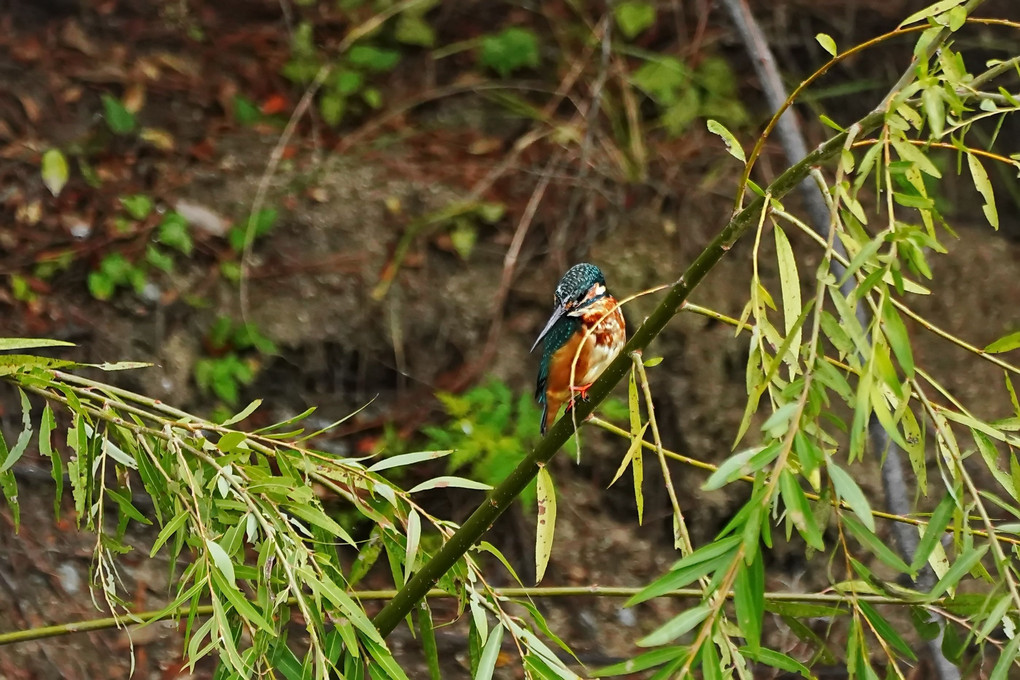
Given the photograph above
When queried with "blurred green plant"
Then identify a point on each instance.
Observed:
(684, 94)
(235, 347)
(489, 431)
(633, 17)
(115, 271)
(119, 119)
(261, 223)
(510, 50)
(348, 87)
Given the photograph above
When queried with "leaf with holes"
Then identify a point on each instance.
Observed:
(546, 526)
(984, 187)
(732, 145)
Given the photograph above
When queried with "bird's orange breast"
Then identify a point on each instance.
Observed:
(580, 364)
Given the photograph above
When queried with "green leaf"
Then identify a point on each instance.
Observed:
(385, 665)
(899, 340)
(1006, 343)
(246, 112)
(11, 364)
(463, 237)
(711, 665)
(778, 423)
(915, 156)
(372, 96)
(866, 255)
(675, 627)
(221, 560)
(118, 454)
(123, 501)
(247, 411)
(702, 561)
(230, 441)
(545, 523)
(511, 50)
(827, 43)
(667, 80)
(413, 29)
(633, 16)
(428, 640)
(931, 11)
(241, 604)
(877, 546)
(995, 617)
(101, 286)
(789, 281)
(932, 535)
(332, 106)
(407, 459)
(962, 566)
(798, 511)
(934, 109)
(9, 488)
(984, 187)
(770, 657)
(137, 206)
(446, 482)
(54, 171)
(732, 145)
(373, 58)
(731, 468)
(487, 662)
(314, 514)
(175, 232)
(1006, 661)
(642, 662)
(885, 631)
(413, 539)
(749, 599)
(158, 259)
(7, 344)
(263, 221)
(1012, 397)
(169, 530)
(24, 437)
(46, 425)
(847, 489)
(346, 81)
(120, 120)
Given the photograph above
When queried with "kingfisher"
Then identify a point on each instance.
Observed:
(581, 303)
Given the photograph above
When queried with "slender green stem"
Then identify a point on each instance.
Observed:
(149, 617)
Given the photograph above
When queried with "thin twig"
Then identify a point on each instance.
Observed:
(836, 600)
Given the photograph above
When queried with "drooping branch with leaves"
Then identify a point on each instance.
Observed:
(263, 550)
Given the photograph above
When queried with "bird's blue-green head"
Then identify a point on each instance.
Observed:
(581, 286)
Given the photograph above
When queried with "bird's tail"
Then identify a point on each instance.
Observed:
(550, 408)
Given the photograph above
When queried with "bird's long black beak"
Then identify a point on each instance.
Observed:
(556, 315)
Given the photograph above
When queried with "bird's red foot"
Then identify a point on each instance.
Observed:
(582, 390)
